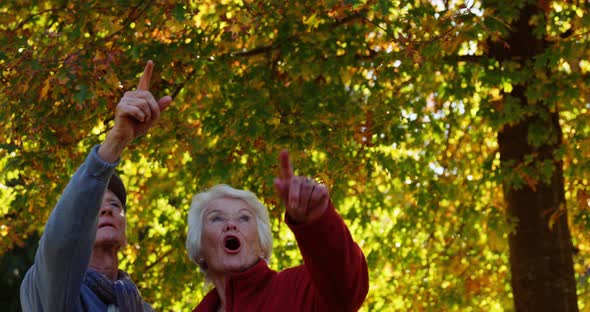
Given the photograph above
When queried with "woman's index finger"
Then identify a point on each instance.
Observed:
(146, 77)
(286, 168)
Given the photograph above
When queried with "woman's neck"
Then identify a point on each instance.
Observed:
(105, 261)
(219, 281)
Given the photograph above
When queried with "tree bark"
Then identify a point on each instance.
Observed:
(540, 244)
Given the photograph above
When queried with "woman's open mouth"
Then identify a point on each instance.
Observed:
(231, 244)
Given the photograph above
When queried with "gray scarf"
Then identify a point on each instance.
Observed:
(121, 292)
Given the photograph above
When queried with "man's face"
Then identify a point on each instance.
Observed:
(111, 222)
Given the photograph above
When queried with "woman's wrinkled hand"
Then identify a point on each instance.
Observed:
(304, 198)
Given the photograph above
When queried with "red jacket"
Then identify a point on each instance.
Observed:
(333, 278)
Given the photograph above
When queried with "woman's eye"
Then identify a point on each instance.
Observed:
(116, 205)
(244, 218)
(216, 219)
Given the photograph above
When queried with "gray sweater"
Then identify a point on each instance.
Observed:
(54, 282)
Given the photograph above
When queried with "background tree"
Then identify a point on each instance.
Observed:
(444, 129)
(530, 145)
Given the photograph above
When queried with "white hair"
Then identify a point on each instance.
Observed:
(201, 201)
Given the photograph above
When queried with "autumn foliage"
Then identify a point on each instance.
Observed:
(396, 106)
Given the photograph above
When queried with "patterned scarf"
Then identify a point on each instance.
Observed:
(121, 292)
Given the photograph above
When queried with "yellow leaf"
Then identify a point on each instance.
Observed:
(45, 89)
(312, 21)
(235, 29)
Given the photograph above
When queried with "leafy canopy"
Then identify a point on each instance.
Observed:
(394, 105)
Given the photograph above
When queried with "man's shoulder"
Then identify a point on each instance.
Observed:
(34, 300)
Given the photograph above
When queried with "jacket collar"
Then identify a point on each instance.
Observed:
(243, 284)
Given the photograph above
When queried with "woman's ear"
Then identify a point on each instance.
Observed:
(203, 263)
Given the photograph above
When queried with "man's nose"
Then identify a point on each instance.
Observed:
(105, 209)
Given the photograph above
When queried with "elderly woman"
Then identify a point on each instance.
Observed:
(229, 237)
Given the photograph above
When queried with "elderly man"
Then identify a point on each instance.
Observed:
(76, 265)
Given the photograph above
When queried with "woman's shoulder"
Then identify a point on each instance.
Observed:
(208, 303)
(295, 274)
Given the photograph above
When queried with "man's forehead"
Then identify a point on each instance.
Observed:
(109, 195)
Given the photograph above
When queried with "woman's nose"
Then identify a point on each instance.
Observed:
(229, 226)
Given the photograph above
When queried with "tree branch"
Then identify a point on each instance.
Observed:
(464, 58)
(153, 264)
(30, 17)
(275, 45)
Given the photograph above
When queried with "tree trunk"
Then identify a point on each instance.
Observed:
(540, 244)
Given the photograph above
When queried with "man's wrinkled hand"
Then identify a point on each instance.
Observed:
(138, 110)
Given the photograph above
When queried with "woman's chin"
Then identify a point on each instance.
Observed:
(237, 266)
